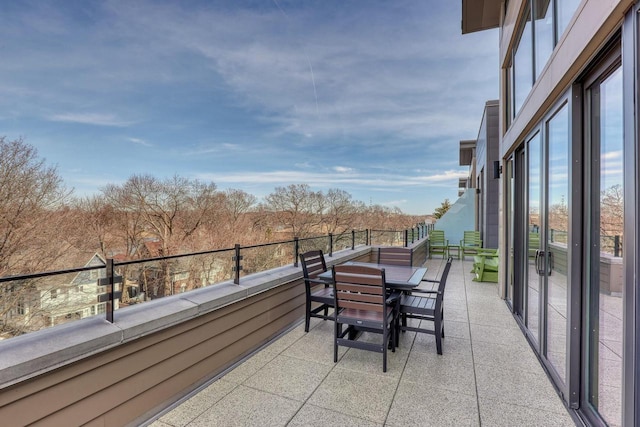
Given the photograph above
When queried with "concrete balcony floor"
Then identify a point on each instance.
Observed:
(488, 375)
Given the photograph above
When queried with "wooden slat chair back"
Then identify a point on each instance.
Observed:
(470, 243)
(316, 291)
(438, 243)
(360, 294)
(534, 243)
(395, 256)
(428, 307)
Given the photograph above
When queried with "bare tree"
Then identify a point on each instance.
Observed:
(33, 226)
(296, 208)
(31, 195)
(611, 216)
(97, 220)
(170, 211)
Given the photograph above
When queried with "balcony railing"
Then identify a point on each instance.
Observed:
(37, 301)
(610, 244)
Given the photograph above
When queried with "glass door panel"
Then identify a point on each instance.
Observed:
(606, 296)
(556, 250)
(533, 225)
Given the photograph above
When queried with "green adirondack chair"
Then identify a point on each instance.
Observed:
(470, 243)
(485, 266)
(438, 243)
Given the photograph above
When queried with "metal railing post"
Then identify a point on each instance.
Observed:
(406, 238)
(353, 239)
(367, 238)
(616, 246)
(296, 251)
(237, 267)
(112, 293)
(330, 244)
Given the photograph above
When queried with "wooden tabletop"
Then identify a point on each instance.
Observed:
(397, 276)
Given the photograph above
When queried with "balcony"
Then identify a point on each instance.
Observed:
(237, 351)
(488, 375)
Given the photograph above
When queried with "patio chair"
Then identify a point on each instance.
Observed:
(485, 266)
(361, 303)
(470, 243)
(395, 256)
(438, 243)
(313, 264)
(428, 307)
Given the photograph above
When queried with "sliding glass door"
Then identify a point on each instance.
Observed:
(604, 208)
(537, 237)
(554, 257)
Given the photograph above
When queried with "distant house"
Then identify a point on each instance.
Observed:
(177, 275)
(39, 303)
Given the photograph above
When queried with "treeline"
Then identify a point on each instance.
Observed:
(43, 226)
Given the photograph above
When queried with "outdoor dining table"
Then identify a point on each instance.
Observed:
(398, 277)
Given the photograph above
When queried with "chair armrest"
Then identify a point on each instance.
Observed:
(431, 281)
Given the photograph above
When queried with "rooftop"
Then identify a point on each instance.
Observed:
(488, 375)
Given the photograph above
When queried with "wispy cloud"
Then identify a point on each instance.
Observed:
(90, 119)
(342, 169)
(329, 179)
(140, 142)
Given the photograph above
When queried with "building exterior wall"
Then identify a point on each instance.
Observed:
(487, 151)
(601, 40)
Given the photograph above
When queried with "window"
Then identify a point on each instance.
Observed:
(565, 11)
(102, 308)
(543, 28)
(534, 47)
(20, 307)
(54, 293)
(523, 64)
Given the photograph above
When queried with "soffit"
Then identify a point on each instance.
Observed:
(478, 15)
(467, 152)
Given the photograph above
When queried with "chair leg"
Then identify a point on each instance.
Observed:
(307, 317)
(384, 353)
(326, 311)
(438, 327)
(392, 337)
(337, 331)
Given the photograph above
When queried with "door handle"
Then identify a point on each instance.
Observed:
(540, 262)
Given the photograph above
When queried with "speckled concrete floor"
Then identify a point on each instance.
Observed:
(488, 375)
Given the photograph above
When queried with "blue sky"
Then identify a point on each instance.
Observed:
(371, 97)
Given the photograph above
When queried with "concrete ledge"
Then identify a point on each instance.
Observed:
(33, 354)
(212, 297)
(39, 352)
(143, 319)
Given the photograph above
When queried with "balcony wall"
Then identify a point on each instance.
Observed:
(97, 373)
